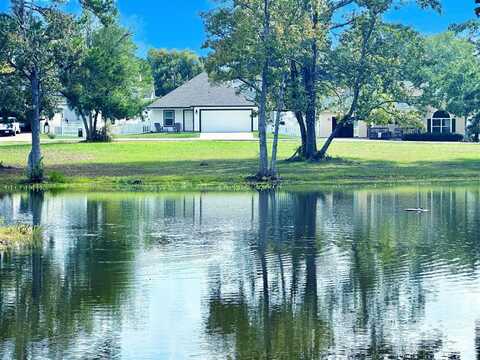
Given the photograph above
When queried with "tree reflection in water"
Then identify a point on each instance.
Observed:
(55, 302)
(340, 274)
(301, 275)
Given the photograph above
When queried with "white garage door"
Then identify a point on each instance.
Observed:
(228, 121)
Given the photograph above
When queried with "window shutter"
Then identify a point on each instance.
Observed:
(454, 126)
(429, 125)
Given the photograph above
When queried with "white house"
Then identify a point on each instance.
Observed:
(202, 106)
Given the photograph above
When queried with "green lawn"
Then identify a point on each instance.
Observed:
(181, 135)
(46, 137)
(196, 165)
(280, 136)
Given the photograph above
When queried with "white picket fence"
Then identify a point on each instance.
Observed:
(132, 128)
(73, 129)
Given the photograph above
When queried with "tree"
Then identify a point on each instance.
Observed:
(108, 82)
(451, 77)
(33, 35)
(247, 46)
(317, 27)
(371, 68)
(172, 68)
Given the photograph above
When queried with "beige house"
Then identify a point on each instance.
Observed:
(436, 121)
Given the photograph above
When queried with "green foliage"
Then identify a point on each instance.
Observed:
(57, 177)
(473, 128)
(377, 72)
(172, 68)
(108, 78)
(35, 37)
(450, 78)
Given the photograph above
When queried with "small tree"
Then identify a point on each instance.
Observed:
(172, 68)
(109, 81)
(251, 43)
(242, 38)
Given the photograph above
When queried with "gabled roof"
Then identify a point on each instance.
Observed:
(201, 92)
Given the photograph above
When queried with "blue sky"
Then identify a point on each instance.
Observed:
(177, 24)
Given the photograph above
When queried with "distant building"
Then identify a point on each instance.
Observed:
(202, 106)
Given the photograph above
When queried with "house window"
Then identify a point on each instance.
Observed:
(441, 126)
(168, 118)
(441, 122)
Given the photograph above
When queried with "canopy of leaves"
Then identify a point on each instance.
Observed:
(379, 72)
(172, 69)
(109, 79)
(451, 77)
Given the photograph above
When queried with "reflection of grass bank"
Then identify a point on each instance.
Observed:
(18, 236)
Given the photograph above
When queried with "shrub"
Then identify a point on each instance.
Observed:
(433, 137)
(51, 136)
(57, 177)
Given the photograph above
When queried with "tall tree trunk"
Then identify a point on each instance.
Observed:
(298, 114)
(303, 132)
(262, 116)
(280, 105)
(310, 114)
(88, 130)
(310, 79)
(95, 122)
(323, 151)
(357, 87)
(35, 170)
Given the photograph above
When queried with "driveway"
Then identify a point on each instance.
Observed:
(227, 136)
(21, 138)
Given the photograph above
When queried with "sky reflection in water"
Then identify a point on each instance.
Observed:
(307, 275)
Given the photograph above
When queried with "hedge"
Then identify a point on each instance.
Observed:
(433, 137)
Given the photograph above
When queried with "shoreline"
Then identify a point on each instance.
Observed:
(129, 185)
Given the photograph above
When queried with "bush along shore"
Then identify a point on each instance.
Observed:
(18, 236)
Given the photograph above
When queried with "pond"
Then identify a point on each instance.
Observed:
(287, 275)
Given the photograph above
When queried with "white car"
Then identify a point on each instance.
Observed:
(9, 127)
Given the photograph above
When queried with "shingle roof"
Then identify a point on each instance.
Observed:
(201, 92)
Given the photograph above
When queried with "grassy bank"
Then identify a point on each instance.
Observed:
(18, 236)
(217, 165)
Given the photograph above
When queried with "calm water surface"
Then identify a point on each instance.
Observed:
(311, 275)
